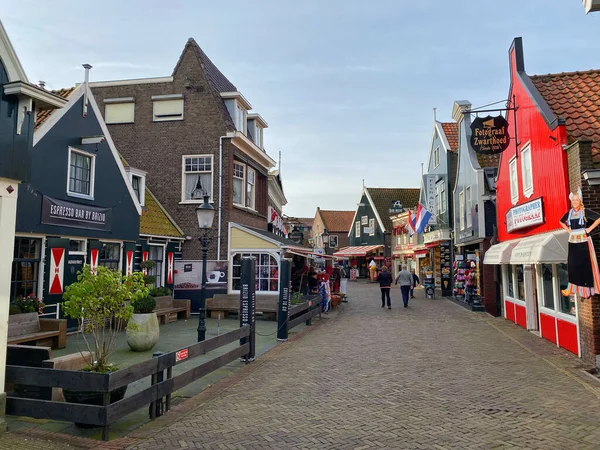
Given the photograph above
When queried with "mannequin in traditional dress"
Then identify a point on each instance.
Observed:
(584, 276)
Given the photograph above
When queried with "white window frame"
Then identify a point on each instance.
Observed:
(443, 199)
(514, 181)
(163, 263)
(131, 172)
(364, 220)
(243, 203)
(258, 135)
(526, 170)
(119, 101)
(436, 157)
(333, 241)
(247, 173)
(357, 229)
(461, 203)
(468, 206)
(372, 227)
(183, 173)
(241, 121)
(92, 157)
(163, 98)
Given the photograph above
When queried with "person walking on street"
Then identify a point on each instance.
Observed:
(415, 283)
(406, 283)
(385, 283)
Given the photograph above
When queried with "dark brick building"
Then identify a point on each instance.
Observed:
(193, 133)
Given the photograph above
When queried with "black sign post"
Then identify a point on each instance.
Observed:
(285, 276)
(248, 303)
(489, 135)
(446, 268)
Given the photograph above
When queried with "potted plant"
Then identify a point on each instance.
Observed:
(26, 304)
(101, 301)
(142, 329)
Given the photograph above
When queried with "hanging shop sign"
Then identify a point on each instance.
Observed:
(489, 135)
(396, 207)
(296, 236)
(429, 182)
(75, 215)
(525, 215)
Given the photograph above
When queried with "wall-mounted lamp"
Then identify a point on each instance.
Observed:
(85, 140)
(592, 176)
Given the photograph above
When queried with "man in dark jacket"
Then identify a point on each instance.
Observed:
(416, 281)
(385, 283)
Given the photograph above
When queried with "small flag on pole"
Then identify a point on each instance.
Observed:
(411, 223)
(422, 219)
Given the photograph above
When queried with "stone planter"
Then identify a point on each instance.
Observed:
(147, 333)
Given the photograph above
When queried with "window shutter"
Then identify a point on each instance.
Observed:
(172, 249)
(119, 113)
(168, 109)
(128, 257)
(93, 253)
(56, 255)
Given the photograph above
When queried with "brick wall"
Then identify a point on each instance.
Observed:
(158, 147)
(488, 284)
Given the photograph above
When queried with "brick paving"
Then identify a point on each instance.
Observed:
(432, 376)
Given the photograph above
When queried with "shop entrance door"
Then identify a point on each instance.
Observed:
(530, 300)
(73, 265)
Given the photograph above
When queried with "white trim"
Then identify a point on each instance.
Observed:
(167, 97)
(234, 177)
(527, 191)
(262, 122)
(39, 134)
(131, 81)
(168, 238)
(366, 191)
(119, 100)
(183, 173)
(254, 233)
(92, 157)
(43, 98)
(163, 262)
(514, 196)
(246, 145)
(9, 58)
(237, 96)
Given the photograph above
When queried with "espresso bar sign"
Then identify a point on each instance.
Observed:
(68, 214)
(489, 135)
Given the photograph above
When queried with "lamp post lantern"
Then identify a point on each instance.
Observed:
(205, 214)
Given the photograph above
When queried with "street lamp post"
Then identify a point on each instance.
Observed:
(205, 214)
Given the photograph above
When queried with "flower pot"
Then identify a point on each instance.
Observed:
(146, 334)
(92, 398)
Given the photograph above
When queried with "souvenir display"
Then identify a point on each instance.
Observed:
(582, 266)
(466, 277)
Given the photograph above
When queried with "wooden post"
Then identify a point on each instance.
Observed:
(106, 427)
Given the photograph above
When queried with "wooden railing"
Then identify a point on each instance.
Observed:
(304, 312)
(106, 383)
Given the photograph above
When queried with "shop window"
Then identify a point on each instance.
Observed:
(167, 107)
(156, 254)
(514, 181)
(527, 171)
(250, 182)
(469, 207)
(119, 110)
(520, 280)
(357, 229)
(110, 255)
(81, 174)
(461, 200)
(25, 267)
(567, 304)
(547, 278)
(371, 227)
(196, 178)
(510, 279)
(267, 272)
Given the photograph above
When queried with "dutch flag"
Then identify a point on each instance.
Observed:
(411, 223)
(422, 219)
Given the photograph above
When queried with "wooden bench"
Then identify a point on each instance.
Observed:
(28, 328)
(169, 310)
(229, 303)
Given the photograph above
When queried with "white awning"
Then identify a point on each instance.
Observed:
(548, 248)
(500, 253)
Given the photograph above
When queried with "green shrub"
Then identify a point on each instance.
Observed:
(144, 305)
(148, 266)
(160, 291)
(14, 309)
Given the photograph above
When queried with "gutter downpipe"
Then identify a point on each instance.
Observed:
(227, 136)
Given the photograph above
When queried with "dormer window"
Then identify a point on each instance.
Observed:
(137, 178)
(258, 136)
(240, 118)
(257, 124)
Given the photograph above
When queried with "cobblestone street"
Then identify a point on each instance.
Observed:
(432, 376)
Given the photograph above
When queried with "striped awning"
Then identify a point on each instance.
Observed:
(360, 250)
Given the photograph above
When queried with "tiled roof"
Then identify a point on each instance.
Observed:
(155, 221)
(337, 221)
(383, 198)
(574, 96)
(488, 160)
(451, 132)
(43, 114)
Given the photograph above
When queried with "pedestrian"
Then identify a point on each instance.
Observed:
(406, 283)
(385, 283)
(416, 281)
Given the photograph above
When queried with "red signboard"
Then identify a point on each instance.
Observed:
(181, 355)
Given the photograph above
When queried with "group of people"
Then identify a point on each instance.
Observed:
(407, 280)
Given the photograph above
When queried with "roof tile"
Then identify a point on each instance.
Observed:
(451, 132)
(155, 221)
(383, 198)
(42, 115)
(337, 221)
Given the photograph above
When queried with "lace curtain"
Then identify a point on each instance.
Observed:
(191, 182)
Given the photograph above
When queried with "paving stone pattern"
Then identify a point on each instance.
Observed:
(432, 376)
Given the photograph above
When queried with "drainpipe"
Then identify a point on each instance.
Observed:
(221, 191)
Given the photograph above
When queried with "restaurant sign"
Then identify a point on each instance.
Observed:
(489, 135)
(396, 207)
(75, 215)
(525, 215)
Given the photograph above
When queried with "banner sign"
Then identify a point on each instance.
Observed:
(525, 215)
(489, 135)
(75, 215)
(396, 207)
(429, 181)
(276, 224)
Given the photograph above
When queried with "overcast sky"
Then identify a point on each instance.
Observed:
(348, 87)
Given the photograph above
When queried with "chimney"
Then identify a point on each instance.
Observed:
(460, 106)
(42, 84)
(87, 68)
